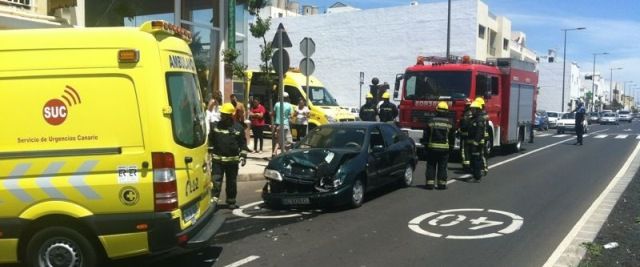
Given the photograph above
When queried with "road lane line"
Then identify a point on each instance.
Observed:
(520, 156)
(543, 135)
(600, 136)
(637, 137)
(560, 135)
(622, 136)
(568, 240)
(243, 261)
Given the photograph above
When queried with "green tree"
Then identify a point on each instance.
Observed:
(259, 30)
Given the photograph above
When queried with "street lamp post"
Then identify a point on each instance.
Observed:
(593, 80)
(564, 61)
(611, 85)
(448, 28)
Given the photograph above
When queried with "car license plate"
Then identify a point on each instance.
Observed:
(295, 201)
(189, 213)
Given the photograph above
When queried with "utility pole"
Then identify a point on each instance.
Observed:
(564, 61)
(448, 28)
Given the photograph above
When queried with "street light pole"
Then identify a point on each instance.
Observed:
(448, 28)
(611, 85)
(564, 62)
(593, 80)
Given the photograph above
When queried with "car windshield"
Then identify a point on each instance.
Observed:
(571, 115)
(320, 96)
(435, 84)
(334, 137)
(623, 112)
(593, 114)
(609, 115)
(552, 114)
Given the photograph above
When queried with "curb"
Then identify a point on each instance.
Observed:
(570, 252)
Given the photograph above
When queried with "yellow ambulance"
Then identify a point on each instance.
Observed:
(103, 149)
(323, 106)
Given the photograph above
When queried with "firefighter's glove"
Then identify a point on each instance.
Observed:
(243, 158)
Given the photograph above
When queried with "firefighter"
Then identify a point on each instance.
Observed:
(475, 140)
(465, 122)
(368, 111)
(579, 120)
(227, 142)
(438, 139)
(388, 111)
(485, 139)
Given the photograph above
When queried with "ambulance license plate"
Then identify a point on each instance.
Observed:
(296, 201)
(189, 213)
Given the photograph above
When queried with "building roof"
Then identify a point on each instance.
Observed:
(338, 4)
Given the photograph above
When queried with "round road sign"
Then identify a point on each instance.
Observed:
(275, 60)
(307, 66)
(466, 223)
(307, 47)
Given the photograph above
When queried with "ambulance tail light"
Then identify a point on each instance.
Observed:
(128, 56)
(165, 188)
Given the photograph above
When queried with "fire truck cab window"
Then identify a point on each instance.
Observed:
(482, 85)
(435, 84)
(494, 86)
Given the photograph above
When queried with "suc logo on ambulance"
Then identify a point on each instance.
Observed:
(55, 111)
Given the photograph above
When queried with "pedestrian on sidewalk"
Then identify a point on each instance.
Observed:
(256, 114)
(579, 120)
(212, 114)
(283, 122)
(227, 142)
(301, 115)
(240, 117)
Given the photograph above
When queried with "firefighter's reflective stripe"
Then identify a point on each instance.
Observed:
(225, 131)
(225, 159)
(472, 142)
(431, 182)
(440, 125)
(434, 145)
(77, 181)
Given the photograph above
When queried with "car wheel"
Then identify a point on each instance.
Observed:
(60, 246)
(357, 193)
(407, 177)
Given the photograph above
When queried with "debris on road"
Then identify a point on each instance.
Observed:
(611, 245)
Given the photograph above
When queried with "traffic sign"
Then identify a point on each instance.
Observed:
(275, 60)
(307, 47)
(307, 66)
(286, 42)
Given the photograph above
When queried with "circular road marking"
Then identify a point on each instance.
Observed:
(240, 212)
(466, 223)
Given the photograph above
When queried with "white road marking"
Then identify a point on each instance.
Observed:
(566, 242)
(520, 156)
(543, 135)
(600, 136)
(240, 212)
(481, 222)
(622, 136)
(560, 135)
(637, 137)
(243, 261)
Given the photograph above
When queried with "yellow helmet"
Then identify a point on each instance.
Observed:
(476, 104)
(369, 95)
(480, 100)
(385, 95)
(442, 106)
(227, 108)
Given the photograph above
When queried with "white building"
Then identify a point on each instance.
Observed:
(339, 7)
(550, 83)
(600, 88)
(383, 42)
(281, 9)
(29, 14)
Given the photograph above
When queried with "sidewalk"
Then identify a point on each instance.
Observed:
(256, 162)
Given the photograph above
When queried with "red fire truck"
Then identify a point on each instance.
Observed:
(508, 86)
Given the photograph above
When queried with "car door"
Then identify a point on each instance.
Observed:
(396, 151)
(378, 161)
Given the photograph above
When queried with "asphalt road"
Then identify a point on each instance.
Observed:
(516, 216)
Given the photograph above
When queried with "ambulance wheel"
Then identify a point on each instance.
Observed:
(60, 246)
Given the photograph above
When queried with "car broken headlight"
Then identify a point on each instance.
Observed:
(331, 182)
(272, 174)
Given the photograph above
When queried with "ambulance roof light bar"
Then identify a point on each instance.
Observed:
(166, 27)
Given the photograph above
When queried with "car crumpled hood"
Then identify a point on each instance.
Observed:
(310, 164)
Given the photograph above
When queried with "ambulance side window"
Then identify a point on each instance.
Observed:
(187, 115)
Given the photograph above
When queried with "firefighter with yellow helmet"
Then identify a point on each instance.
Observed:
(438, 139)
(388, 111)
(368, 111)
(475, 140)
(228, 142)
(485, 150)
(465, 122)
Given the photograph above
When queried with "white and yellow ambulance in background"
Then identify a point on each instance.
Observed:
(103, 149)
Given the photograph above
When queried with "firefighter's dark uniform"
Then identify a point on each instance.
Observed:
(579, 127)
(368, 111)
(388, 111)
(438, 139)
(465, 123)
(476, 141)
(484, 153)
(227, 141)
